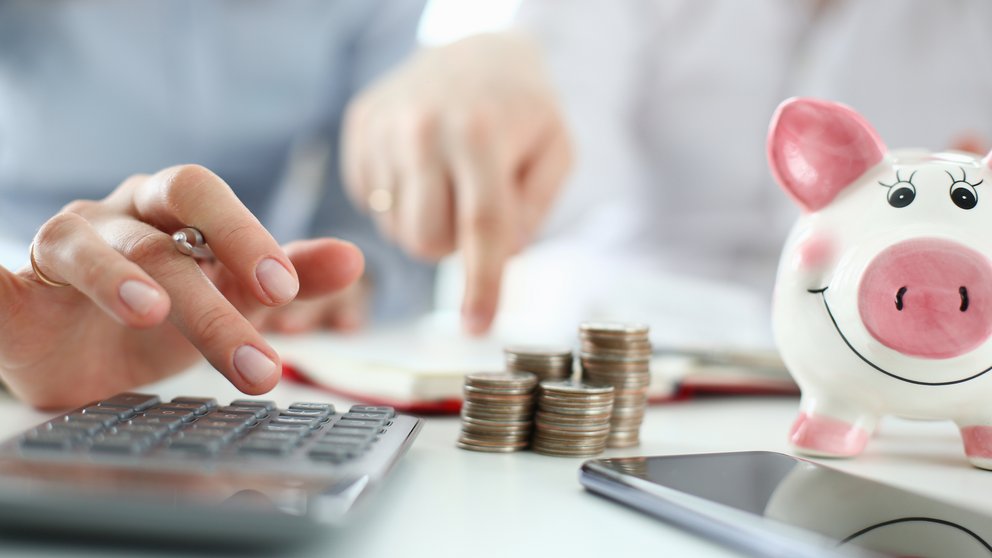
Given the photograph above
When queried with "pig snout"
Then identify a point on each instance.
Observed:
(928, 298)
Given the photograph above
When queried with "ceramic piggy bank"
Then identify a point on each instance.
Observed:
(883, 301)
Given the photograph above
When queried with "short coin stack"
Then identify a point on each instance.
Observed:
(497, 413)
(549, 363)
(573, 418)
(619, 355)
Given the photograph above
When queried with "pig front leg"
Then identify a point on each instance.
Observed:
(977, 437)
(830, 428)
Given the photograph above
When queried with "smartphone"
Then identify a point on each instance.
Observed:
(771, 504)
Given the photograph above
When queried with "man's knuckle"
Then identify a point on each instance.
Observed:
(149, 248)
(214, 325)
(184, 185)
(79, 207)
(58, 228)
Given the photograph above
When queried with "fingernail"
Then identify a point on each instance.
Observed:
(276, 281)
(253, 365)
(475, 322)
(138, 296)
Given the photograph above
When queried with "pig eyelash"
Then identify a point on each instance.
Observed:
(964, 178)
(899, 180)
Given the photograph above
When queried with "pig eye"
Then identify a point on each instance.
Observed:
(963, 193)
(901, 192)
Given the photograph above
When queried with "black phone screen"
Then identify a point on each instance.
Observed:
(846, 511)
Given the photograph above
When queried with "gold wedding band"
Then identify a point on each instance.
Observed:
(41, 276)
(381, 200)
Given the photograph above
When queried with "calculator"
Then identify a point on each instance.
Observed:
(247, 472)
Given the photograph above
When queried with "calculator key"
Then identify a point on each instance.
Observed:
(49, 440)
(289, 419)
(390, 412)
(181, 414)
(206, 422)
(198, 444)
(208, 402)
(170, 422)
(346, 423)
(225, 434)
(122, 413)
(261, 403)
(105, 420)
(122, 443)
(87, 428)
(264, 446)
(292, 435)
(246, 419)
(257, 412)
(275, 427)
(334, 454)
(315, 414)
(345, 441)
(136, 401)
(371, 418)
(304, 406)
(195, 408)
(353, 432)
(155, 431)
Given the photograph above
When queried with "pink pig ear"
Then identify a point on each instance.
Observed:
(817, 148)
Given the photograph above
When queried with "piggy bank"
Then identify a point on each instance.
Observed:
(883, 299)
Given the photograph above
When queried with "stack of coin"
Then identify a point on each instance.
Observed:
(573, 418)
(497, 412)
(549, 363)
(619, 355)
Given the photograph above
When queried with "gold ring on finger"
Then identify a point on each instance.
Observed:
(41, 276)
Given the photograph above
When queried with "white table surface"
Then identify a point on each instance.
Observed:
(442, 501)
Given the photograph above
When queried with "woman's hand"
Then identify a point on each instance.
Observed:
(137, 310)
(462, 147)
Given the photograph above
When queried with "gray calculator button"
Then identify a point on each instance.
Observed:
(353, 432)
(306, 413)
(271, 447)
(105, 420)
(122, 413)
(334, 454)
(195, 408)
(169, 422)
(246, 419)
(261, 403)
(208, 402)
(289, 419)
(231, 426)
(155, 431)
(79, 427)
(390, 412)
(293, 435)
(346, 423)
(257, 412)
(49, 440)
(122, 443)
(304, 406)
(275, 427)
(371, 418)
(137, 401)
(198, 443)
(345, 441)
(181, 414)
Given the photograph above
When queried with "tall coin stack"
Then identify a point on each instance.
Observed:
(497, 412)
(619, 355)
(573, 418)
(549, 363)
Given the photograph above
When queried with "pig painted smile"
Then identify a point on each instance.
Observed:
(823, 294)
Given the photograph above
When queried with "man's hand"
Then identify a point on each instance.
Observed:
(463, 147)
(137, 310)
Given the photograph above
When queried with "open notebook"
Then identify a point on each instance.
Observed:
(419, 367)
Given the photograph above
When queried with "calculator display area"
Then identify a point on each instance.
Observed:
(854, 513)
